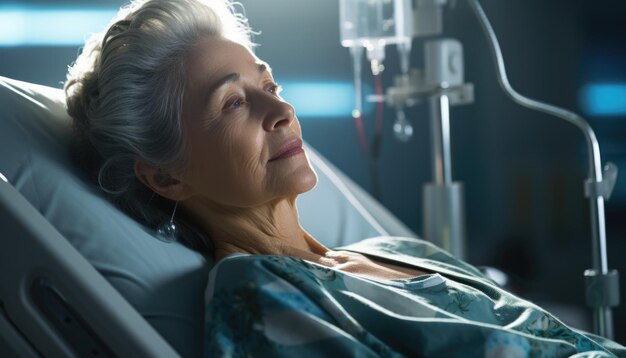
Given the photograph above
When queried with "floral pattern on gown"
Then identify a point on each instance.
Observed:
(259, 305)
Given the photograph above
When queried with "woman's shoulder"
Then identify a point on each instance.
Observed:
(242, 265)
(245, 269)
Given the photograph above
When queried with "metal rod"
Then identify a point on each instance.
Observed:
(602, 316)
(440, 127)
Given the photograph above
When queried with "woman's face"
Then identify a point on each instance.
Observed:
(235, 124)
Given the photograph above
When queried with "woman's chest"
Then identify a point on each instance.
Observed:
(361, 265)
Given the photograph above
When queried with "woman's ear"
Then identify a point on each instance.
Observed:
(161, 182)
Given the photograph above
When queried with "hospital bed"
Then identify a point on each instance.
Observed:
(80, 278)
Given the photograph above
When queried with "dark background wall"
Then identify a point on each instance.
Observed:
(523, 172)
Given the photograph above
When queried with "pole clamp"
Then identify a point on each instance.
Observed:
(603, 188)
(602, 290)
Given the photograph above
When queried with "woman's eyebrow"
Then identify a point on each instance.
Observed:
(229, 78)
(263, 67)
(233, 77)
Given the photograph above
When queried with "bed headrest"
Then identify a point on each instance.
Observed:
(150, 274)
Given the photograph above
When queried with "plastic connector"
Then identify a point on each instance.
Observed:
(602, 290)
(604, 188)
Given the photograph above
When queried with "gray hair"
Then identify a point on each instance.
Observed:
(125, 94)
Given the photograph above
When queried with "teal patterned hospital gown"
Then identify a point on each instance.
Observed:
(267, 306)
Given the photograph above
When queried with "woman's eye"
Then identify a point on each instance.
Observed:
(235, 103)
(275, 89)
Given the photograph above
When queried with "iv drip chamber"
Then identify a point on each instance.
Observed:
(374, 25)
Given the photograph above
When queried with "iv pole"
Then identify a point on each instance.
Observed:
(443, 199)
(602, 285)
(442, 82)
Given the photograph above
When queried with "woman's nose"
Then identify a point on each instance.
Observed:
(278, 113)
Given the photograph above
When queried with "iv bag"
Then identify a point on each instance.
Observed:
(373, 24)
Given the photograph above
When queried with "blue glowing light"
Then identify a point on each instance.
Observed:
(599, 99)
(48, 26)
(70, 26)
(320, 99)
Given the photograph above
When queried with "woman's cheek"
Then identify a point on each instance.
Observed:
(298, 127)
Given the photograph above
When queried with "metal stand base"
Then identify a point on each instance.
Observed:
(443, 219)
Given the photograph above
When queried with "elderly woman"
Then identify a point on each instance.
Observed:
(184, 127)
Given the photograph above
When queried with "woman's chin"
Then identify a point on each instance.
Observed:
(296, 181)
(305, 179)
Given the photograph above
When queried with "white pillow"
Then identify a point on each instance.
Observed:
(164, 282)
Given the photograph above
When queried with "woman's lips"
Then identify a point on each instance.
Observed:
(290, 149)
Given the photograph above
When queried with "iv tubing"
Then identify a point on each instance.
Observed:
(357, 112)
(357, 54)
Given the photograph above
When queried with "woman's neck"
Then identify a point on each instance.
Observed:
(272, 229)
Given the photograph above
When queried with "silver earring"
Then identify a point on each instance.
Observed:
(167, 231)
